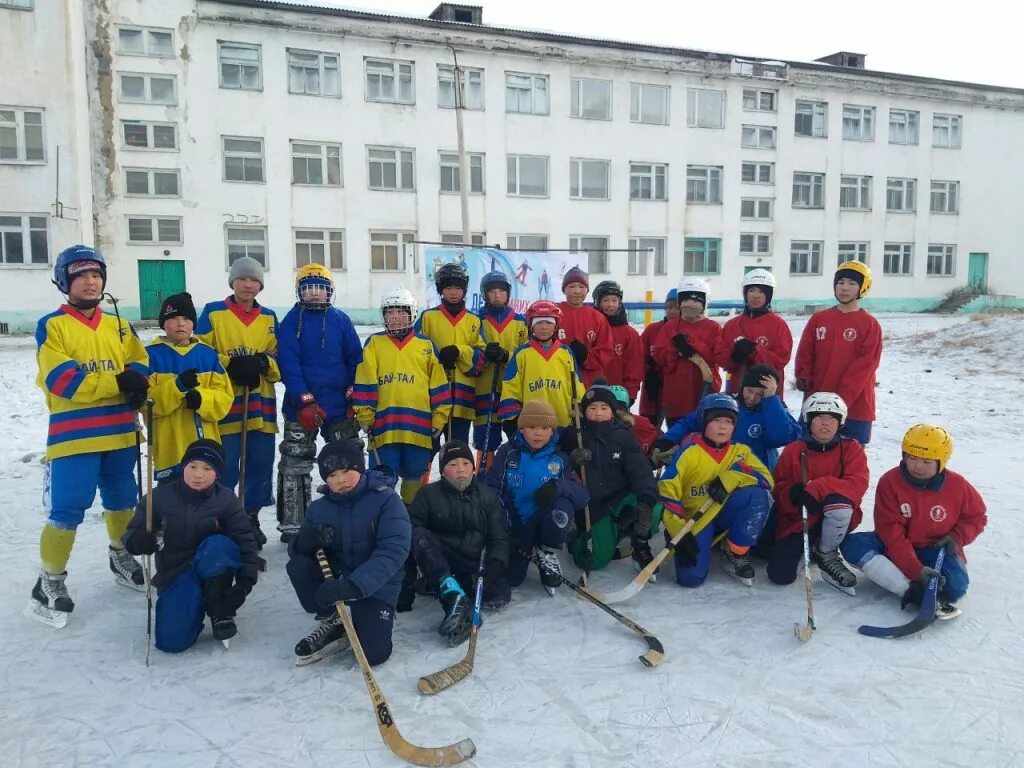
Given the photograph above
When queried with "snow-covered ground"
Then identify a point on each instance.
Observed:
(557, 682)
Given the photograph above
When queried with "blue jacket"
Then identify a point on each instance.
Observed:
(763, 429)
(372, 535)
(517, 472)
(318, 352)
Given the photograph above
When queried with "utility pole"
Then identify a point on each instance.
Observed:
(463, 160)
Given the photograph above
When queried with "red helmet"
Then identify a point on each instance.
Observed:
(543, 309)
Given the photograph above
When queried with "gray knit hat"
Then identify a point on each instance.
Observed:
(246, 266)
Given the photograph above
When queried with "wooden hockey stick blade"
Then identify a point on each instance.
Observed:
(705, 369)
(445, 678)
(803, 632)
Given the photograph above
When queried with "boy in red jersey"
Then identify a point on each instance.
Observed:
(650, 396)
(626, 365)
(583, 329)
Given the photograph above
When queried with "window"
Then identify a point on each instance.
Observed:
(390, 81)
(900, 195)
(940, 260)
(705, 109)
(588, 179)
(648, 181)
(526, 94)
(759, 173)
(946, 131)
(899, 259)
(320, 246)
(756, 208)
(450, 180)
(648, 103)
(387, 250)
(152, 182)
(21, 135)
(704, 184)
(145, 41)
(240, 66)
(755, 244)
(855, 192)
(853, 252)
(23, 239)
(154, 230)
(148, 89)
(597, 252)
(314, 163)
(246, 241)
(21, 5)
(805, 257)
(391, 168)
(701, 255)
(808, 190)
(903, 126)
(314, 73)
(858, 123)
(758, 136)
(527, 176)
(590, 99)
(640, 250)
(527, 242)
(243, 159)
(455, 238)
(759, 99)
(945, 197)
(811, 119)
(472, 87)
(138, 134)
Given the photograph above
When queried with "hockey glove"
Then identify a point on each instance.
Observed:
(652, 384)
(927, 574)
(187, 379)
(741, 350)
(134, 386)
(312, 537)
(582, 456)
(546, 496)
(448, 356)
(950, 544)
(682, 345)
(510, 428)
(493, 353)
(193, 399)
(142, 542)
(435, 443)
(687, 551)
(717, 491)
(662, 452)
(346, 429)
(310, 416)
(579, 351)
(334, 591)
(245, 370)
(644, 517)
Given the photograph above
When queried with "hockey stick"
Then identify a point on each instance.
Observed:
(804, 633)
(199, 425)
(450, 755)
(451, 396)
(705, 373)
(490, 418)
(449, 676)
(147, 560)
(242, 448)
(925, 616)
(656, 652)
(583, 470)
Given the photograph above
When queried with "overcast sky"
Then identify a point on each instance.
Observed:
(971, 40)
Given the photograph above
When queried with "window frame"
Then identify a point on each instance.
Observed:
(477, 239)
(246, 243)
(813, 114)
(598, 262)
(20, 128)
(241, 63)
(396, 66)
(325, 148)
(467, 72)
(865, 117)
(758, 93)
(954, 130)
(472, 157)
(908, 191)
(576, 87)
(154, 229)
(399, 163)
(25, 229)
(693, 110)
(859, 248)
(651, 176)
(147, 98)
(758, 132)
(151, 181)
(814, 181)
(517, 244)
(576, 178)
(535, 78)
(636, 103)
(719, 170)
(813, 254)
(402, 239)
(690, 247)
(862, 188)
(904, 252)
(949, 186)
(518, 176)
(243, 155)
(321, 60)
(912, 121)
(150, 126)
(325, 241)
(757, 203)
(146, 33)
(757, 165)
(637, 258)
(947, 256)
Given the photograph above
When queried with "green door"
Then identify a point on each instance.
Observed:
(977, 271)
(157, 281)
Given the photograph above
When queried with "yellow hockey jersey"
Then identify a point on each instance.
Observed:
(401, 390)
(463, 331)
(175, 424)
(233, 331)
(79, 359)
(509, 330)
(537, 371)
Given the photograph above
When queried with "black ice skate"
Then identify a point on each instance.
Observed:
(834, 571)
(737, 566)
(549, 567)
(224, 629)
(50, 602)
(642, 557)
(126, 569)
(326, 640)
(261, 537)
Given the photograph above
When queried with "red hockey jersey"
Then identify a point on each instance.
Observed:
(650, 397)
(774, 346)
(682, 380)
(589, 326)
(626, 364)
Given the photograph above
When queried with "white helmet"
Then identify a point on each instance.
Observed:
(398, 298)
(759, 277)
(823, 402)
(694, 285)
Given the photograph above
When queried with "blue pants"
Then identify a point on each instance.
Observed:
(743, 515)
(858, 430)
(493, 437)
(259, 467)
(179, 606)
(72, 482)
(373, 619)
(409, 461)
(858, 548)
(548, 529)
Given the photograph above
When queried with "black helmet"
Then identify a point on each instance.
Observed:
(607, 288)
(451, 273)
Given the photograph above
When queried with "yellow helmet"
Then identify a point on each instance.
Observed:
(928, 441)
(313, 270)
(861, 269)
(319, 284)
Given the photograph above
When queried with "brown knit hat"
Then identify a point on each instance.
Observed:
(537, 413)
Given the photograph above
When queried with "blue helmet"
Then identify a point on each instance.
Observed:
(672, 295)
(87, 258)
(718, 404)
(494, 280)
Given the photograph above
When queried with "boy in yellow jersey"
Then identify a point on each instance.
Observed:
(245, 336)
(401, 396)
(92, 370)
(191, 391)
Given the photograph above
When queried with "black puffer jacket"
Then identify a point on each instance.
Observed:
(186, 518)
(467, 521)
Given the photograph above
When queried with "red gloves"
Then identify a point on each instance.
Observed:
(311, 416)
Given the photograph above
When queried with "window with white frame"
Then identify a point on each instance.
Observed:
(756, 208)
(853, 251)
(243, 158)
(805, 257)
(320, 246)
(24, 239)
(387, 250)
(858, 123)
(945, 197)
(136, 87)
(642, 250)
(142, 134)
(240, 65)
(648, 181)
(246, 241)
(21, 5)
(145, 41)
(704, 184)
(808, 190)
(527, 176)
(898, 259)
(21, 135)
(855, 193)
(811, 119)
(588, 179)
(758, 173)
(758, 136)
(901, 195)
(317, 164)
(946, 131)
(596, 248)
(472, 87)
(455, 238)
(152, 182)
(314, 73)
(154, 230)
(755, 243)
(760, 99)
(702, 255)
(941, 260)
(391, 168)
(704, 108)
(590, 99)
(903, 126)
(526, 94)
(390, 81)
(648, 103)
(450, 179)
(527, 242)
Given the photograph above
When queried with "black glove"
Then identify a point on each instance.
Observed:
(142, 542)
(741, 350)
(510, 428)
(334, 591)
(449, 356)
(652, 383)
(493, 571)
(546, 496)
(796, 494)
(245, 370)
(312, 537)
(717, 491)
(134, 385)
(188, 379)
(582, 456)
(644, 517)
(493, 353)
(435, 443)
(579, 351)
(346, 429)
(950, 544)
(193, 399)
(687, 550)
(682, 345)
(927, 574)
